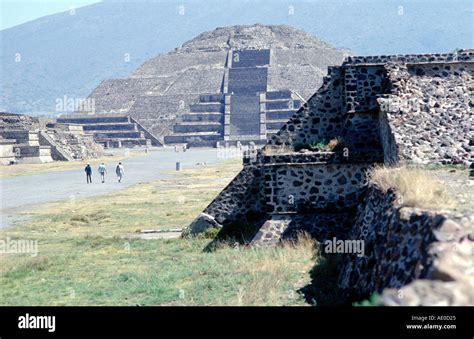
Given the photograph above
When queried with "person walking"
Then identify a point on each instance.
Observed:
(119, 170)
(88, 171)
(102, 170)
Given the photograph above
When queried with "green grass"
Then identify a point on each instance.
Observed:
(372, 301)
(113, 271)
(87, 255)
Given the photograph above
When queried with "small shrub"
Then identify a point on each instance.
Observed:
(317, 145)
(372, 301)
(336, 145)
(298, 147)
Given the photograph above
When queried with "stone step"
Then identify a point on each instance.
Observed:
(276, 121)
(110, 126)
(204, 116)
(119, 134)
(123, 142)
(198, 127)
(197, 133)
(206, 107)
(320, 226)
(192, 137)
(83, 120)
(279, 114)
(278, 95)
(281, 105)
(214, 98)
(201, 123)
(275, 125)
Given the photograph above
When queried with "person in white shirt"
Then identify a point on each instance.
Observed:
(102, 170)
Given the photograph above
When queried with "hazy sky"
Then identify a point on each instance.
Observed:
(15, 12)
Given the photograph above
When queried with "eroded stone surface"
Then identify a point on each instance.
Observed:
(429, 293)
(405, 244)
(366, 102)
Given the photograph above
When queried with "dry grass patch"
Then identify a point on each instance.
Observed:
(85, 256)
(336, 145)
(276, 150)
(268, 273)
(418, 187)
(162, 204)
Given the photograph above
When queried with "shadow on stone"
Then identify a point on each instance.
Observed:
(238, 234)
(323, 290)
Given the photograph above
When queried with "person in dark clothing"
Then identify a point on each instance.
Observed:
(119, 171)
(88, 171)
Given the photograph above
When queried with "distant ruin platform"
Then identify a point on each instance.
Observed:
(113, 131)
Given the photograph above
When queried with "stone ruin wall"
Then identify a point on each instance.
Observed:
(337, 110)
(299, 188)
(235, 203)
(404, 248)
(409, 248)
(320, 116)
(430, 111)
(426, 104)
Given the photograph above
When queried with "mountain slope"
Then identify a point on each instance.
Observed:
(65, 54)
(162, 89)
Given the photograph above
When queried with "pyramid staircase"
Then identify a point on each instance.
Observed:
(245, 111)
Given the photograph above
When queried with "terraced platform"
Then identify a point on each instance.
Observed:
(245, 111)
(113, 131)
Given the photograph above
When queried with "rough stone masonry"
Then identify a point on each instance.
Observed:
(383, 110)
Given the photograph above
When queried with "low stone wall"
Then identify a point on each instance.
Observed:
(403, 245)
(283, 194)
(293, 187)
(462, 55)
(239, 199)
